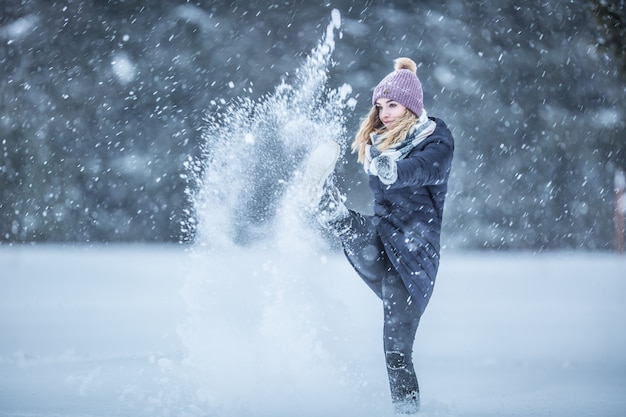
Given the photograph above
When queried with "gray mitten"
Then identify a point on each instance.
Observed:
(385, 167)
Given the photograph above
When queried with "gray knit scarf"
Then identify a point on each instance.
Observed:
(414, 137)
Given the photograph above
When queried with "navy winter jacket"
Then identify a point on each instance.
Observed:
(408, 213)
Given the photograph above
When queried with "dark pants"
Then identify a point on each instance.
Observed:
(365, 251)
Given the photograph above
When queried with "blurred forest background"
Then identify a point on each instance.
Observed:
(102, 103)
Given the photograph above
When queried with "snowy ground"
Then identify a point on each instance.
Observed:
(159, 331)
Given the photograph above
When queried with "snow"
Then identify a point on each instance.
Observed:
(261, 316)
(18, 28)
(257, 331)
(123, 68)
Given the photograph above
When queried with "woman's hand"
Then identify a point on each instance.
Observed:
(384, 166)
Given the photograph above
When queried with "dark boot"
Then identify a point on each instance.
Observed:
(409, 405)
(403, 383)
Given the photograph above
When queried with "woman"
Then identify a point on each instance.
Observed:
(396, 250)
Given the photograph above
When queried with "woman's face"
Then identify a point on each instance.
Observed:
(389, 111)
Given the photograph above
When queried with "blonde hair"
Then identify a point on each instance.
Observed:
(373, 124)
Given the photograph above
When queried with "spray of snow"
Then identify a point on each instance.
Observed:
(253, 150)
(276, 360)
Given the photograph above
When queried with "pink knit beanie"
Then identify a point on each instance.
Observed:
(402, 86)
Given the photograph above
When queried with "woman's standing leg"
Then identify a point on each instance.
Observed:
(401, 318)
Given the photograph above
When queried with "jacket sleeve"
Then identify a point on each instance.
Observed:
(429, 165)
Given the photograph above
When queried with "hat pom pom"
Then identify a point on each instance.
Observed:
(405, 63)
